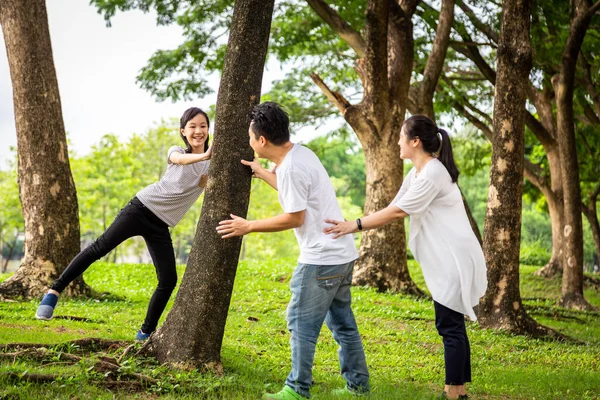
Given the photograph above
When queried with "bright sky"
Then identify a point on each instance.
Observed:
(96, 68)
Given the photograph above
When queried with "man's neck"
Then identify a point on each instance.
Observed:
(278, 153)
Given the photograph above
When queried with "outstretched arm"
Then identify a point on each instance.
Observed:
(375, 220)
(237, 226)
(190, 158)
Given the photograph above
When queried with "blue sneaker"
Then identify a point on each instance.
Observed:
(46, 308)
(141, 336)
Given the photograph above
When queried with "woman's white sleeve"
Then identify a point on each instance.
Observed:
(417, 198)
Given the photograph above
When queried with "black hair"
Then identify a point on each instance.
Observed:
(422, 127)
(271, 121)
(187, 116)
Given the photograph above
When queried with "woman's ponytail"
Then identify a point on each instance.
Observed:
(446, 156)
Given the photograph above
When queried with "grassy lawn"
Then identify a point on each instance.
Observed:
(404, 352)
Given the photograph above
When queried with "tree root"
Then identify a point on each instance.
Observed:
(37, 378)
(90, 344)
(109, 367)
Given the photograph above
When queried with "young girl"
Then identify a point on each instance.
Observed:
(441, 239)
(150, 214)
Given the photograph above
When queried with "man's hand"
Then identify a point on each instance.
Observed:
(236, 226)
(257, 170)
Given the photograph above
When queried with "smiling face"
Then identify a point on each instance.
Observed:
(196, 132)
(408, 146)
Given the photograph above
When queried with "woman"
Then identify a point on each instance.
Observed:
(441, 239)
(150, 214)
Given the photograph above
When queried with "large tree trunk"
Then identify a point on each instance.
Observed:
(46, 186)
(572, 285)
(501, 306)
(193, 331)
(382, 262)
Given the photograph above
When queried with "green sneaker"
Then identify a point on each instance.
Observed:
(287, 393)
(347, 392)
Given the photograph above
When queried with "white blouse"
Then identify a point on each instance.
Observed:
(441, 238)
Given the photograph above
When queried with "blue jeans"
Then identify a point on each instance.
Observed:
(322, 293)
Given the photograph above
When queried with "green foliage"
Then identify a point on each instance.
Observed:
(404, 351)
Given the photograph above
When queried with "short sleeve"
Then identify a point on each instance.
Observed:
(293, 191)
(417, 197)
(177, 149)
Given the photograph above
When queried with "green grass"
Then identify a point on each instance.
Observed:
(404, 352)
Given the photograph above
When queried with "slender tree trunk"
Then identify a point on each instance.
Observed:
(193, 331)
(11, 249)
(46, 186)
(572, 284)
(556, 211)
(592, 217)
(501, 307)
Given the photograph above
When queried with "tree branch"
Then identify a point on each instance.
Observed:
(339, 26)
(482, 126)
(538, 130)
(334, 97)
(589, 84)
(435, 61)
(534, 174)
(485, 29)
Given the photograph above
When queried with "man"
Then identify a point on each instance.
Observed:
(321, 283)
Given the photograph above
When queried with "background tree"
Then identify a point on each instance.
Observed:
(572, 287)
(47, 191)
(501, 306)
(193, 330)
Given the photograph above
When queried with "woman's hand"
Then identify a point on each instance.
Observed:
(340, 228)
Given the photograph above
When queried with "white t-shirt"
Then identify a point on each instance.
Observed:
(303, 184)
(441, 238)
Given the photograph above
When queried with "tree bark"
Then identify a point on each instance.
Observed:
(572, 284)
(501, 306)
(193, 331)
(46, 186)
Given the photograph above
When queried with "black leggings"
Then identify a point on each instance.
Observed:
(133, 220)
(457, 352)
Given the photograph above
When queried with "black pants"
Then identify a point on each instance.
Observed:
(133, 220)
(457, 352)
